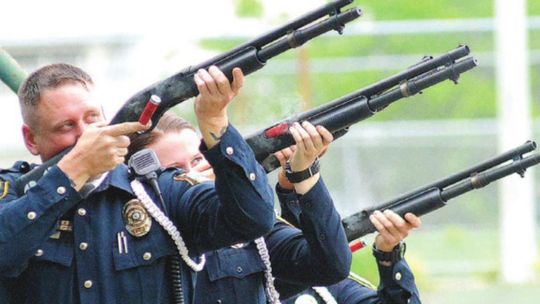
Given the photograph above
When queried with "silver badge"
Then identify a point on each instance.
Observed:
(136, 218)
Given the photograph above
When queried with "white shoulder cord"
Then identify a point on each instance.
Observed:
(166, 223)
(325, 295)
(271, 292)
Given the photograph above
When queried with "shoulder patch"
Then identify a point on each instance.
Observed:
(190, 178)
(4, 189)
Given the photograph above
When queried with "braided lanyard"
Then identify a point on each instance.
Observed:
(325, 295)
(271, 292)
(166, 223)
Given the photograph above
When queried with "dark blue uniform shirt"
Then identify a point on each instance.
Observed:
(402, 289)
(317, 255)
(396, 285)
(7, 193)
(87, 265)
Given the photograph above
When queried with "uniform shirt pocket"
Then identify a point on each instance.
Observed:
(130, 252)
(57, 251)
(232, 262)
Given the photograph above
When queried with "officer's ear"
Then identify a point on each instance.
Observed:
(30, 139)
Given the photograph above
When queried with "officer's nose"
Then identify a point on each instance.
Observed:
(79, 129)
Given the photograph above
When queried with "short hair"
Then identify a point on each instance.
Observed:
(169, 123)
(48, 77)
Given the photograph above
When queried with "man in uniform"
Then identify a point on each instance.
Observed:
(80, 235)
(7, 193)
(397, 285)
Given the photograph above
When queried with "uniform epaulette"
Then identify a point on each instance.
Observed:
(279, 218)
(4, 188)
(18, 167)
(364, 282)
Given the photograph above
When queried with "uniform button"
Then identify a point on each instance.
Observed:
(307, 205)
(39, 252)
(61, 190)
(81, 211)
(398, 276)
(83, 246)
(229, 150)
(31, 215)
(239, 269)
(322, 237)
(252, 176)
(147, 256)
(88, 284)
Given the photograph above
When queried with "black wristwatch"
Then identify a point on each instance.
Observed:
(389, 258)
(296, 177)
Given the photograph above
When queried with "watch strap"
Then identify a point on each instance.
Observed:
(389, 258)
(299, 176)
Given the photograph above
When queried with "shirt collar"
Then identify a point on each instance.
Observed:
(117, 178)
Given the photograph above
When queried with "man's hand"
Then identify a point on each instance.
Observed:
(310, 143)
(99, 149)
(215, 94)
(392, 228)
(283, 156)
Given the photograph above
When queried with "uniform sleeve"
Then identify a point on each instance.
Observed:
(290, 206)
(319, 253)
(238, 207)
(27, 221)
(346, 291)
(397, 284)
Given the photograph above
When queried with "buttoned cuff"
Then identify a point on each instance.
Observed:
(232, 153)
(52, 196)
(50, 191)
(290, 205)
(398, 276)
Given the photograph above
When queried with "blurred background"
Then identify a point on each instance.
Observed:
(481, 248)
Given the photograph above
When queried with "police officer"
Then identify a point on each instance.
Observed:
(82, 235)
(243, 273)
(7, 193)
(397, 283)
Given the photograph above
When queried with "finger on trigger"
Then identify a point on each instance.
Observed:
(124, 128)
